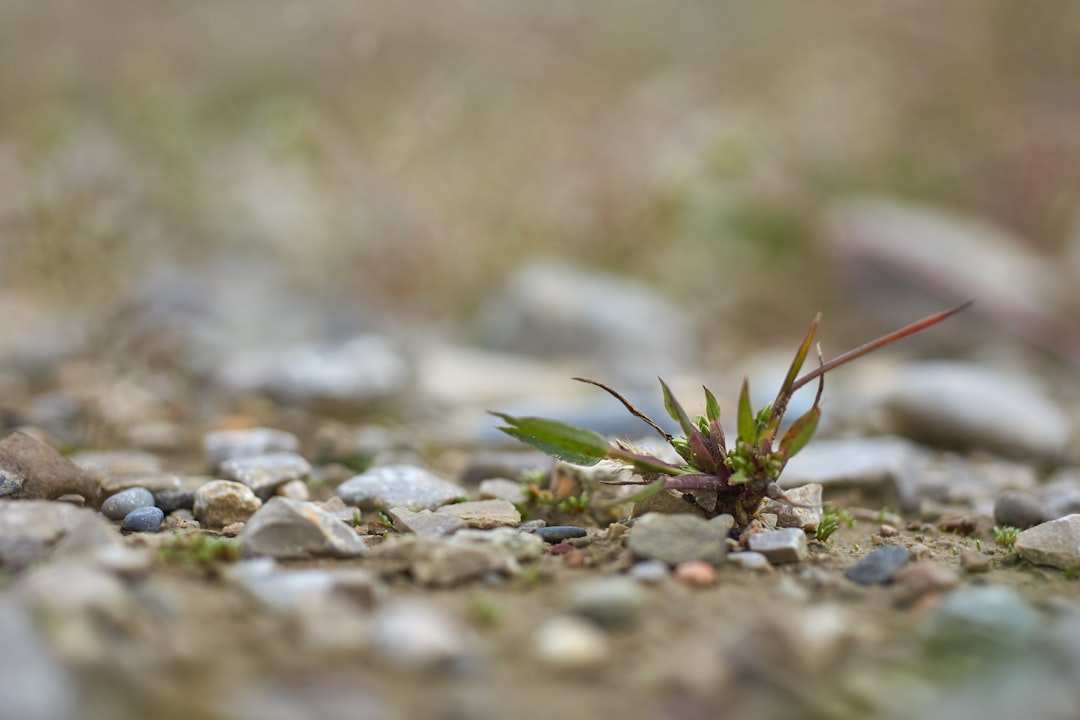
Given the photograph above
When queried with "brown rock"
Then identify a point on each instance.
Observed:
(224, 502)
(485, 514)
(31, 470)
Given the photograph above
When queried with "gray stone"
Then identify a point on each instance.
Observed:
(803, 509)
(390, 486)
(119, 505)
(750, 560)
(33, 684)
(416, 635)
(155, 482)
(222, 445)
(1055, 543)
(1017, 509)
(284, 528)
(425, 522)
(650, 572)
(676, 539)
(559, 533)
(31, 470)
(354, 372)
(143, 519)
(444, 564)
(965, 406)
(484, 514)
(523, 547)
(609, 601)
(121, 462)
(291, 589)
(878, 567)
(570, 643)
(879, 471)
(502, 489)
(183, 496)
(224, 502)
(552, 308)
(993, 619)
(30, 530)
(780, 546)
(264, 473)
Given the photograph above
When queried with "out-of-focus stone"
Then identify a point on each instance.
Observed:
(222, 445)
(264, 473)
(484, 514)
(223, 502)
(284, 528)
(1055, 543)
(390, 486)
(676, 539)
(31, 470)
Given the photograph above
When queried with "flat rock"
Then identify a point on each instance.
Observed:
(391, 486)
(484, 514)
(264, 473)
(879, 471)
(222, 445)
(1055, 543)
(964, 406)
(502, 489)
(224, 502)
(444, 564)
(284, 528)
(425, 522)
(117, 506)
(522, 546)
(676, 539)
(31, 470)
(803, 509)
(780, 546)
(30, 531)
(119, 462)
(879, 567)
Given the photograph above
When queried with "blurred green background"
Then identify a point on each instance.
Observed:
(403, 158)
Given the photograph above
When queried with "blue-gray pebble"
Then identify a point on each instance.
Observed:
(119, 505)
(144, 519)
(878, 567)
(558, 533)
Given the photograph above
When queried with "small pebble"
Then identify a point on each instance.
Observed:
(888, 531)
(650, 572)
(780, 546)
(144, 519)
(919, 551)
(119, 505)
(917, 580)
(558, 533)
(878, 567)
(571, 643)
(696, 572)
(750, 561)
(974, 562)
(609, 601)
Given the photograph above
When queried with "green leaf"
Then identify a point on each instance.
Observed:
(675, 410)
(704, 457)
(747, 427)
(782, 397)
(569, 443)
(712, 408)
(799, 433)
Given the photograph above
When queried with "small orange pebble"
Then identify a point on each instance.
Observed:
(696, 572)
(888, 531)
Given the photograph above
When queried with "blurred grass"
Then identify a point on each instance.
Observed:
(408, 155)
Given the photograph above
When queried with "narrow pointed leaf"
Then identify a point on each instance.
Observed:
(799, 433)
(675, 410)
(712, 408)
(747, 431)
(782, 397)
(567, 442)
(650, 490)
(705, 457)
(717, 434)
(645, 463)
(629, 406)
(917, 326)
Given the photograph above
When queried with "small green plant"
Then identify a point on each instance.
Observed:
(199, 549)
(739, 476)
(1005, 535)
(830, 522)
(855, 547)
(1071, 572)
(575, 503)
(978, 545)
(357, 518)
